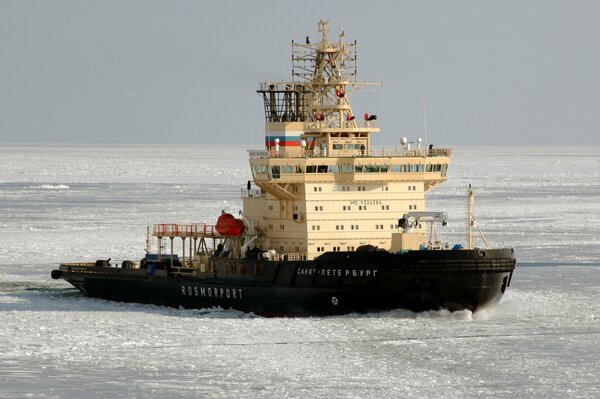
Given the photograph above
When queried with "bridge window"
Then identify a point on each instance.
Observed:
(275, 172)
(346, 168)
(259, 168)
(334, 169)
(287, 169)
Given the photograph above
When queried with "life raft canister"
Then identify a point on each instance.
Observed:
(228, 225)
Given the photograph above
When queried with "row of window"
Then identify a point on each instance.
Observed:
(272, 207)
(334, 249)
(317, 227)
(276, 171)
(364, 208)
(319, 208)
(361, 188)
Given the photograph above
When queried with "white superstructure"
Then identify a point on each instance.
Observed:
(320, 185)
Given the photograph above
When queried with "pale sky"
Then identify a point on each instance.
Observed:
(152, 72)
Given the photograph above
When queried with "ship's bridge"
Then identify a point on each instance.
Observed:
(272, 172)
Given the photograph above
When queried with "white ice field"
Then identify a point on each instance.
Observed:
(69, 203)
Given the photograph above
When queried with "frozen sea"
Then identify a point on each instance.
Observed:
(69, 203)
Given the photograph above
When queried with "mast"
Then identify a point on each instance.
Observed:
(315, 105)
(470, 201)
(472, 222)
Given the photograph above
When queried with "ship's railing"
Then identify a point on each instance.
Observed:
(348, 125)
(185, 230)
(284, 256)
(252, 193)
(78, 264)
(318, 153)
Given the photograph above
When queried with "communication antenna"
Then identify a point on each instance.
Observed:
(425, 119)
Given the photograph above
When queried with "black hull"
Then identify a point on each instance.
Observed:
(334, 283)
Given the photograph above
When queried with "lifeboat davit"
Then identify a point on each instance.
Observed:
(228, 225)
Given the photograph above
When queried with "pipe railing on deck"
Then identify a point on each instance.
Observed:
(318, 153)
(185, 230)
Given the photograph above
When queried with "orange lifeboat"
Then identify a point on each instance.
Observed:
(228, 225)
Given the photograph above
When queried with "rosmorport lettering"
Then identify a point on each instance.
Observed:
(211, 292)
